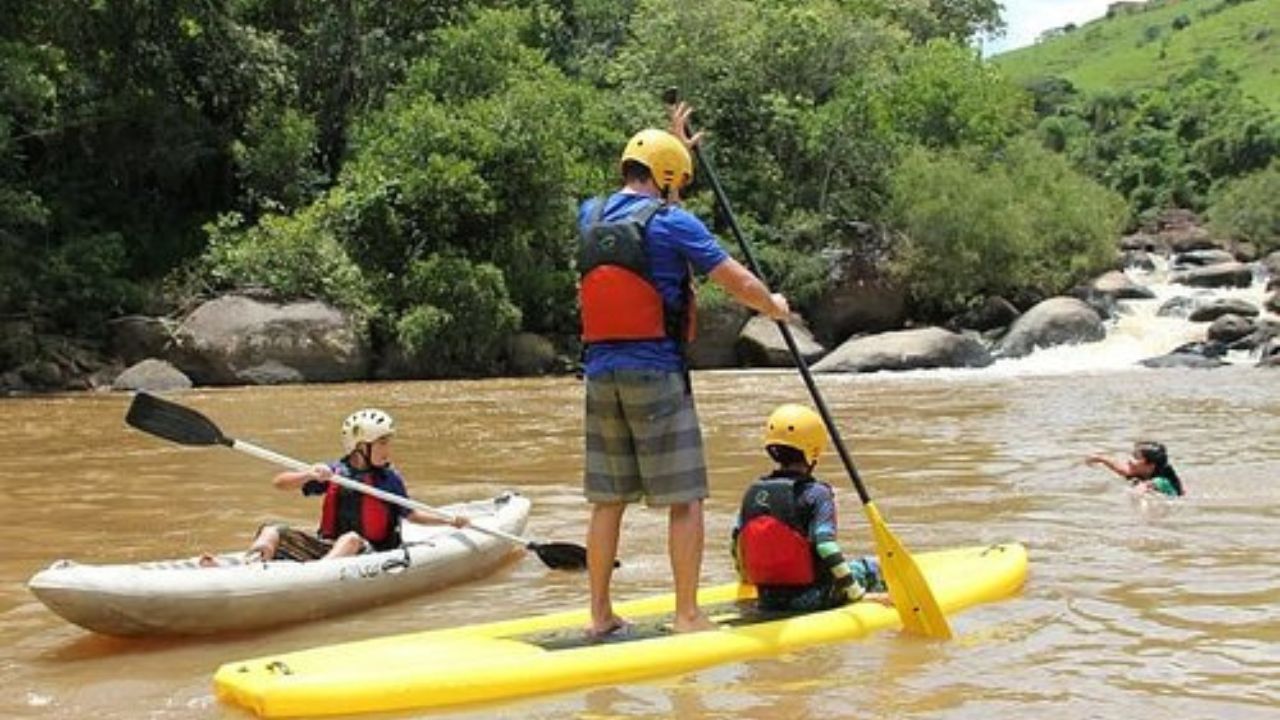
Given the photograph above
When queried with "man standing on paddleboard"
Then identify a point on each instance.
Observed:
(637, 253)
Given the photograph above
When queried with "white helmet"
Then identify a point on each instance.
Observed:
(366, 426)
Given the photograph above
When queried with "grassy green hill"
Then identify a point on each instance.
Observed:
(1163, 38)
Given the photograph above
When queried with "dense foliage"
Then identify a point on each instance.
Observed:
(1022, 224)
(1246, 208)
(1162, 147)
(419, 162)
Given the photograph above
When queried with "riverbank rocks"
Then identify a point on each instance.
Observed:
(134, 338)
(1211, 311)
(1270, 355)
(1271, 263)
(1183, 360)
(235, 340)
(1202, 258)
(151, 375)
(718, 327)
(1119, 286)
(1181, 232)
(1056, 321)
(760, 344)
(931, 347)
(1230, 274)
(857, 299)
(994, 313)
(1230, 328)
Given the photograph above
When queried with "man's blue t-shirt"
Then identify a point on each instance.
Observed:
(676, 239)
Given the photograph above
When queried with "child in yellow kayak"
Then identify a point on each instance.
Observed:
(784, 541)
(1148, 469)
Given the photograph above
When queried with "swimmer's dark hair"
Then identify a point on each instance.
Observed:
(1156, 454)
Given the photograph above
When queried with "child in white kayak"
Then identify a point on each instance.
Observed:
(351, 522)
(1148, 469)
(784, 541)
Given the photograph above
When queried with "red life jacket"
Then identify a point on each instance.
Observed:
(772, 541)
(617, 295)
(345, 510)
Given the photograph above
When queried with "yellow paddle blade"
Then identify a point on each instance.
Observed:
(908, 590)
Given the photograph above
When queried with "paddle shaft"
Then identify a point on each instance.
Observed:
(346, 482)
(785, 329)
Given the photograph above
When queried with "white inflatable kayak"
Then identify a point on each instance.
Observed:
(182, 597)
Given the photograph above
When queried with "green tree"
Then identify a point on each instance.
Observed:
(1245, 208)
(978, 224)
(458, 315)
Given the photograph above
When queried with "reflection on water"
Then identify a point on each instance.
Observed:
(1132, 609)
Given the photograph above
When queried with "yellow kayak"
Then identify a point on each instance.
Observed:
(546, 654)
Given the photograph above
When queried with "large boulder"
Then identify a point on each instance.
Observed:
(719, 325)
(1269, 356)
(992, 313)
(1118, 286)
(1211, 311)
(134, 338)
(931, 347)
(1143, 242)
(1203, 258)
(1271, 263)
(1178, 306)
(1230, 274)
(152, 375)
(760, 344)
(1183, 360)
(1230, 328)
(1056, 321)
(1180, 230)
(236, 340)
(857, 299)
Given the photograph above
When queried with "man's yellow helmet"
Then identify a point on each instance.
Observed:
(666, 157)
(799, 427)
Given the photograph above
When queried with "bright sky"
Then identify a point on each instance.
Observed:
(1026, 19)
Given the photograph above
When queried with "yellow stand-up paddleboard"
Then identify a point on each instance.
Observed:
(547, 654)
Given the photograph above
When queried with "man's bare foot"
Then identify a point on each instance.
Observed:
(697, 623)
(614, 627)
(207, 561)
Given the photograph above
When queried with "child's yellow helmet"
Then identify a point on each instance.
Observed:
(799, 427)
(666, 157)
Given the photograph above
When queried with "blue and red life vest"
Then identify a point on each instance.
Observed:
(774, 549)
(347, 510)
(618, 296)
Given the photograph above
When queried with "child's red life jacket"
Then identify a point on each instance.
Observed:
(371, 518)
(617, 294)
(773, 543)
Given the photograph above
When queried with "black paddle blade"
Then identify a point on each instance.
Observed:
(172, 421)
(561, 555)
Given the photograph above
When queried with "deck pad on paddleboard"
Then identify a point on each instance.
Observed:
(726, 615)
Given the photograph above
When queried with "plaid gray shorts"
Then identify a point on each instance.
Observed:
(642, 440)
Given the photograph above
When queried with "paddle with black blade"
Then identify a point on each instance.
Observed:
(185, 426)
(908, 589)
